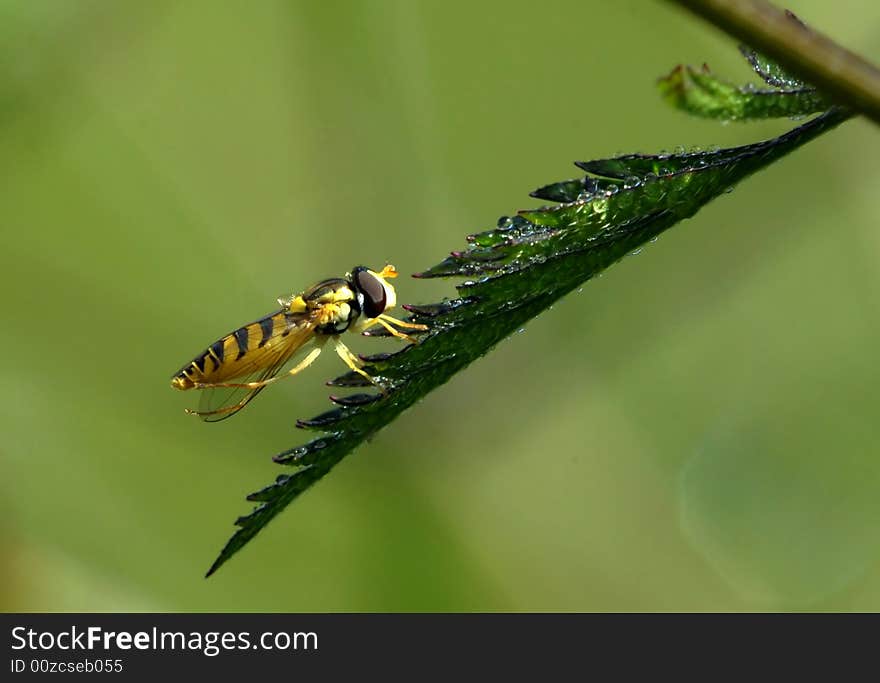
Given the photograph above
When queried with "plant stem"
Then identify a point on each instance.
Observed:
(845, 76)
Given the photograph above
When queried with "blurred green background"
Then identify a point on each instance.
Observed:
(696, 430)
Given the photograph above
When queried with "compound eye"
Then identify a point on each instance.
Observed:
(373, 290)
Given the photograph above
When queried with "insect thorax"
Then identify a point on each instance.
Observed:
(335, 304)
(336, 318)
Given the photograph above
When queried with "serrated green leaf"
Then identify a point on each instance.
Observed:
(514, 271)
(771, 72)
(701, 93)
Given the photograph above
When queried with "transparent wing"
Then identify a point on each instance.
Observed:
(219, 402)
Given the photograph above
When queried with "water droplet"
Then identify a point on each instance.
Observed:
(318, 445)
(637, 252)
(521, 330)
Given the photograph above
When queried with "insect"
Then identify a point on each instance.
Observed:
(237, 367)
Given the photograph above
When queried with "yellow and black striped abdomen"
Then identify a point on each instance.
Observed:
(235, 354)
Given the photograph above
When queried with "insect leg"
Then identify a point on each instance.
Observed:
(393, 330)
(219, 411)
(403, 323)
(302, 365)
(351, 360)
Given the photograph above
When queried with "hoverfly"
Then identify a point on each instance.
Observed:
(235, 368)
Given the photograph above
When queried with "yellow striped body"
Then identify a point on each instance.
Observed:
(227, 357)
(327, 308)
